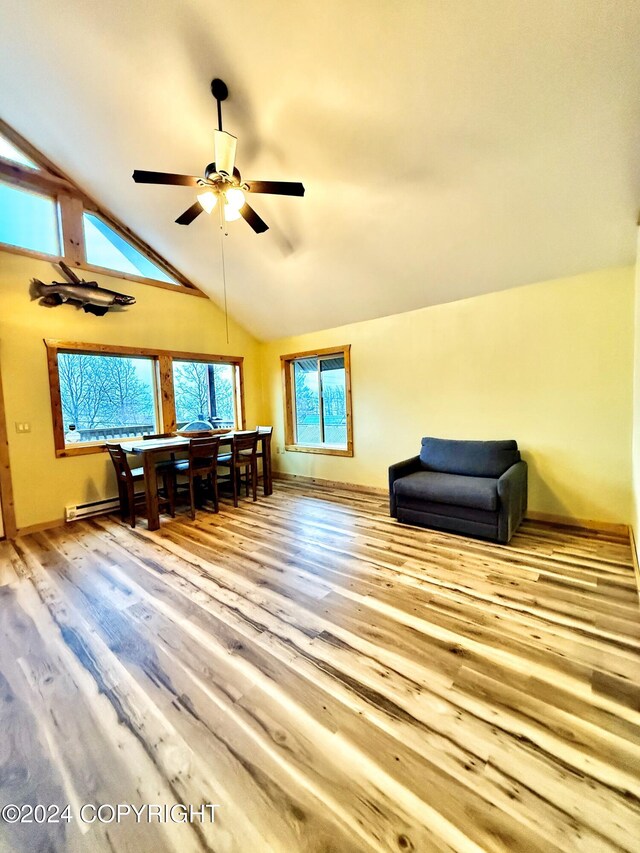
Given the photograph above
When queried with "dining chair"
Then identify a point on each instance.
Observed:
(165, 466)
(243, 458)
(264, 442)
(201, 465)
(127, 477)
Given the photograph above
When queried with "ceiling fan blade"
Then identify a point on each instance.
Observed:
(190, 214)
(224, 148)
(142, 177)
(249, 215)
(276, 187)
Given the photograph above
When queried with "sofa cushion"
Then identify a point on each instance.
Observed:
(477, 492)
(474, 458)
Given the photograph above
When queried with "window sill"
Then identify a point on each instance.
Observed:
(122, 276)
(86, 447)
(81, 449)
(324, 450)
(177, 287)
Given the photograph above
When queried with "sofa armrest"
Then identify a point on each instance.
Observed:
(400, 469)
(512, 491)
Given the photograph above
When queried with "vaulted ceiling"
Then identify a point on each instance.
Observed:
(447, 148)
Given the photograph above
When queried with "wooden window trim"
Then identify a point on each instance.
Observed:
(289, 431)
(7, 504)
(165, 395)
(72, 202)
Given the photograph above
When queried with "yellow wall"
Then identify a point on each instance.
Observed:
(549, 364)
(42, 484)
(635, 518)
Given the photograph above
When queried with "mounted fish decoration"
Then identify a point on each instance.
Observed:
(88, 294)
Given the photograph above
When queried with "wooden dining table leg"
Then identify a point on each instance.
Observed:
(151, 490)
(267, 481)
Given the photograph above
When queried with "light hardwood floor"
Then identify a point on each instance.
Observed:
(333, 680)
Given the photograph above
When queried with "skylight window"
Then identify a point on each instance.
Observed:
(10, 152)
(106, 248)
(28, 220)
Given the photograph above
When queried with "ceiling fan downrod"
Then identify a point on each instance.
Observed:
(220, 93)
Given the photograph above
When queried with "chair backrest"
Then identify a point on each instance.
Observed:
(120, 461)
(204, 449)
(245, 441)
(157, 436)
(264, 436)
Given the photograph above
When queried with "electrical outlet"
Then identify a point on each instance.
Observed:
(23, 426)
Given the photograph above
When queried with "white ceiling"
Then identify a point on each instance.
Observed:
(447, 148)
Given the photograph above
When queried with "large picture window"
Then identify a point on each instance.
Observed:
(317, 387)
(100, 393)
(205, 392)
(106, 396)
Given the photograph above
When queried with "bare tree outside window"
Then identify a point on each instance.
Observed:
(204, 391)
(106, 396)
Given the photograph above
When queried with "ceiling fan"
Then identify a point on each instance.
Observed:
(222, 182)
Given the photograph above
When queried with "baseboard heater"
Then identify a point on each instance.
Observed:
(78, 511)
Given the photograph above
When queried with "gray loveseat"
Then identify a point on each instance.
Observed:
(478, 488)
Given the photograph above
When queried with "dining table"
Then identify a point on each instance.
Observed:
(151, 449)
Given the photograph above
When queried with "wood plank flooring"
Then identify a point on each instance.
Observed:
(332, 681)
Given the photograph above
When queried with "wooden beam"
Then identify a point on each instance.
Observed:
(315, 352)
(240, 404)
(74, 346)
(6, 486)
(91, 268)
(71, 209)
(288, 402)
(167, 393)
(347, 381)
(154, 282)
(32, 180)
(31, 151)
(56, 400)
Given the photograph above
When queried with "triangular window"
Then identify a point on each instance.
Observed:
(44, 212)
(10, 152)
(107, 249)
(28, 220)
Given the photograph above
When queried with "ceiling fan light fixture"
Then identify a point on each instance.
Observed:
(235, 198)
(208, 200)
(231, 213)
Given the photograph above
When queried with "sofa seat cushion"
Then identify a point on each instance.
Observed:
(476, 492)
